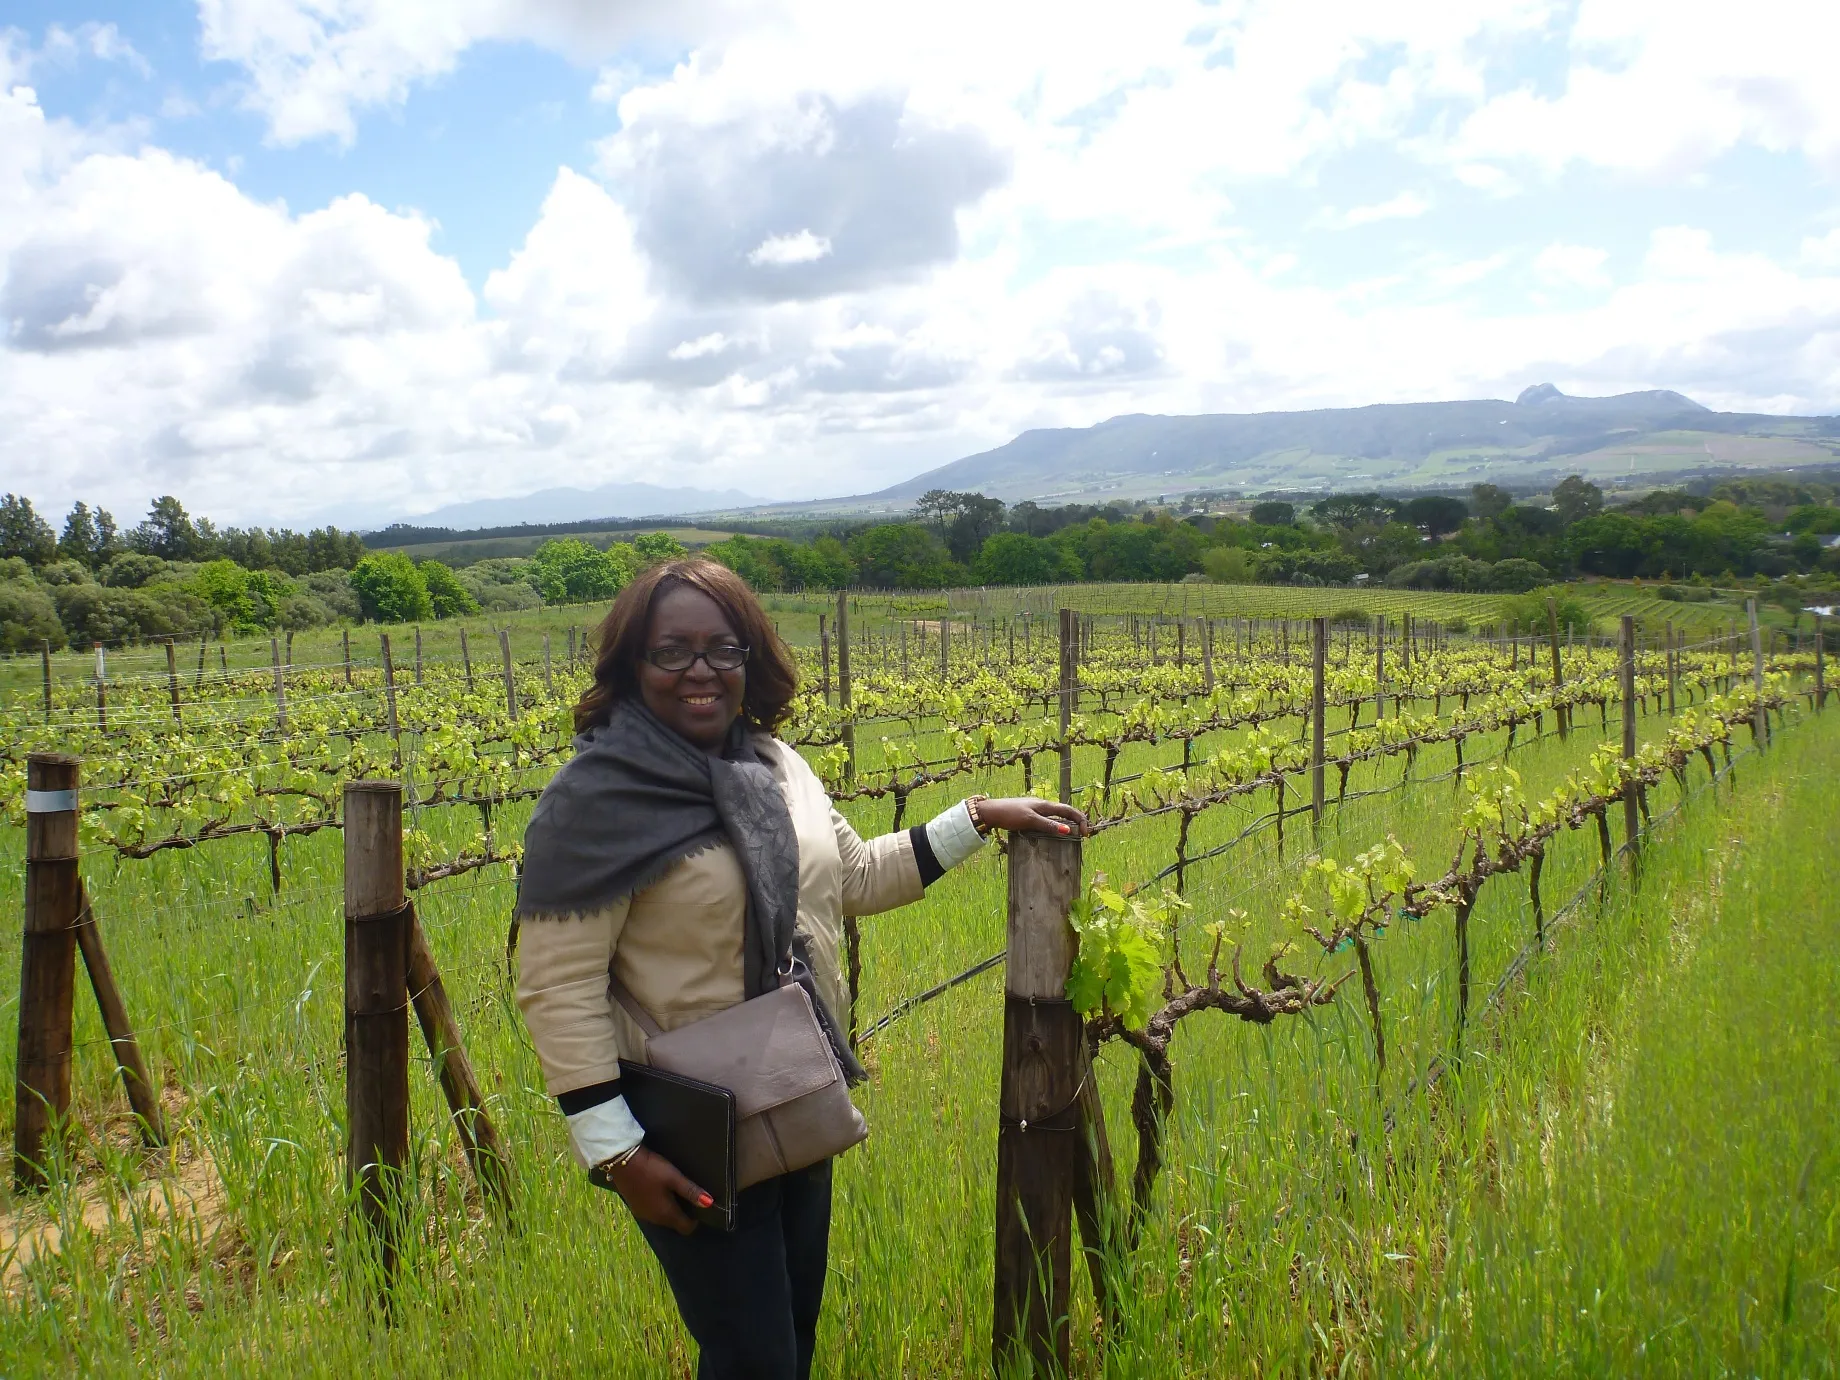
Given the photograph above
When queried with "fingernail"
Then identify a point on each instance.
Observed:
(1061, 827)
(705, 1201)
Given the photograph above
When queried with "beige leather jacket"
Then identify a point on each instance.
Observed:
(677, 945)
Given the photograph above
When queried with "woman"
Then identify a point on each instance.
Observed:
(679, 850)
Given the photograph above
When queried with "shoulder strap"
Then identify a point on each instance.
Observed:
(630, 1004)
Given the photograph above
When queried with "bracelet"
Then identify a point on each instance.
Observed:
(977, 819)
(619, 1161)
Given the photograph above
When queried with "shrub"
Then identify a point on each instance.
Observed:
(333, 589)
(1230, 565)
(448, 596)
(390, 589)
(28, 618)
(131, 570)
(572, 572)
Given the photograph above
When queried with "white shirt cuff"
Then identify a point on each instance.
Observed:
(953, 836)
(604, 1130)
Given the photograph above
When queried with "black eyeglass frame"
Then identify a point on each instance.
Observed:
(706, 656)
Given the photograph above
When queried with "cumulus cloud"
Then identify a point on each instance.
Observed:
(836, 243)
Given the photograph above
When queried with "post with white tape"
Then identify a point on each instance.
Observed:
(47, 964)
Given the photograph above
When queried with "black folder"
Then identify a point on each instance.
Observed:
(692, 1124)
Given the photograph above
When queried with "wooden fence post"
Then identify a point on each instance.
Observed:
(1560, 711)
(1820, 666)
(45, 652)
(102, 690)
(418, 653)
(172, 678)
(1760, 719)
(549, 674)
(824, 659)
(504, 648)
(1379, 667)
(435, 1014)
(1068, 673)
(135, 1080)
(274, 653)
(389, 688)
(47, 962)
(346, 634)
(1207, 656)
(1673, 666)
(377, 930)
(1319, 636)
(1626, 682)
(1038, 1136)
(945, 645)
(843, 682)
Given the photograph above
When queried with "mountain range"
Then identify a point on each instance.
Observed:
(1541, 436)
(566, 505)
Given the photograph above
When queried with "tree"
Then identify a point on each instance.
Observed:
(939, 505)
(571, 571)
(245, 601)
(79, 541)
(901, 555)
(1575, 498)
(447, 596)
(1273, 514)
(1354, 510)
(978, 518)
(659, 546)
(1010, 558)
(1489, 500)
(167, 531)
(24, 533)
(28, 618)
(1435, 514)
(1230, 565)
(390, 589)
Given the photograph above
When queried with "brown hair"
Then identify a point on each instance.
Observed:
(771, 679)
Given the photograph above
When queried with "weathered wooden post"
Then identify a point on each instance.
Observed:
(504, 648)
(1038, 1141)
(1673, 666)
(1379, 667)
(45, 653)
(843, 682)
(1207, 656)
(1820, 666)
(418, 653)
(135, 1079)
(389, 688)
(1319, 637)
(274, 653)
(377, 942)
(1760, 718)
(466, 659)
(47, 963)
(172, 678)
(1068, 674)
(824, 659)
(345, 634)
(1626, 683)
(102, 690)
(435, 1014)
(1560, 711)
(549, 674)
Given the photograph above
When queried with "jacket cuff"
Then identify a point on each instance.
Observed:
(602, 1131)
(953, 836)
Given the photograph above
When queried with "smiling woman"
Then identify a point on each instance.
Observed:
(683, 864)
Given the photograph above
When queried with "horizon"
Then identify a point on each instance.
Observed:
(297, 265)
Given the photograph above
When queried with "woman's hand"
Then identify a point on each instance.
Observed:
(656, 1192)
(1027, 814)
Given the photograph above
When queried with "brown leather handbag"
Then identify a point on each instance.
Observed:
(792, 1106)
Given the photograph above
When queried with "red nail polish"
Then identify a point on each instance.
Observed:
(705, 1201)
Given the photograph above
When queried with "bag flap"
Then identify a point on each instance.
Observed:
(766, 1051)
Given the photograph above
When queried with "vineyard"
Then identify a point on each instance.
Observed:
(1333, 856)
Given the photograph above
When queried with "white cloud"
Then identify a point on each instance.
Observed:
(1404, 206)
(1572, 265)
(801, 248)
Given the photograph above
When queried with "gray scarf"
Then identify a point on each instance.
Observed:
(636, 800)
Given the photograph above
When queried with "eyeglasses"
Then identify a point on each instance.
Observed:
(723, 657)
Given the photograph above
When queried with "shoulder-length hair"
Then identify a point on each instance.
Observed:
(771, 679)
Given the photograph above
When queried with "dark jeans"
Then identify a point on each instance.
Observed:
(750, 1297)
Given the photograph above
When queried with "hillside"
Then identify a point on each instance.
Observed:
(1541, 436)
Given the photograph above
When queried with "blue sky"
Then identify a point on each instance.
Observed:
(297, 259)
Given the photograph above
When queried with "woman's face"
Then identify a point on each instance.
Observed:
(699, 702)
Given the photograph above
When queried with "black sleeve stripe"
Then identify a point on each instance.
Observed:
(930, 870)
(580, 1099)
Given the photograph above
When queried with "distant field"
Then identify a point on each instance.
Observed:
(462, 553)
